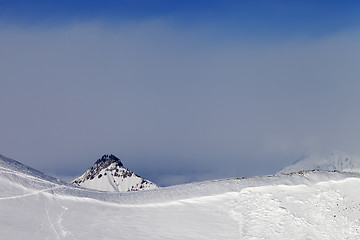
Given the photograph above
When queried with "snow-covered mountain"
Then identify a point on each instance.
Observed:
(13, 165)
(109, 174)
(334, 160)
(307, 205)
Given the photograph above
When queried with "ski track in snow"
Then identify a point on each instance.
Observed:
(64, 231)
(49, 219)
(32, 194)
(54, 214)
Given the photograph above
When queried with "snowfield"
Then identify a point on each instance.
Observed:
(305, 205)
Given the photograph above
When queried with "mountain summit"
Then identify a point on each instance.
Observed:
(331, 161)
(109, 174)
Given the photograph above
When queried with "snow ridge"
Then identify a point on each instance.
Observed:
(109, 174)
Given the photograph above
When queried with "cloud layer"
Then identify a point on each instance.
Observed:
(174, 103)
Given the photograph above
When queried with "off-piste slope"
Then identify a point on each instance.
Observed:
(109, 174)
(309, 205)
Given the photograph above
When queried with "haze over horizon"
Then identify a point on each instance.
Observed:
(179, 91)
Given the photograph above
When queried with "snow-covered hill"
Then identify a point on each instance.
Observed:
(334, 160)
(308, 205)
(109, 174)
(15, 166)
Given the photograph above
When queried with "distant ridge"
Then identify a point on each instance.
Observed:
(331, 161)
(109, 174)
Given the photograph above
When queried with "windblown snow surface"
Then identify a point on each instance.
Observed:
(305, 205)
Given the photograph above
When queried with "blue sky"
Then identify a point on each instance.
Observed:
(179, 90)
(229, 17)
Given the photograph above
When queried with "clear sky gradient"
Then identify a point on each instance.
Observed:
(179, 90)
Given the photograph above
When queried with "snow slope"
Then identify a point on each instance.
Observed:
(109, 174)
(334, 160)
(311, 205)
(15, 166)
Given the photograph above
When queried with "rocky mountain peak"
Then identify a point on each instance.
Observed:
(106, 160)
(109, 174)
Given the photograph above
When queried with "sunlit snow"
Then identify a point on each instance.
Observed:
(305, 205)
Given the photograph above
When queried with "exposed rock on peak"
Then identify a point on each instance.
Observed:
(106, 160)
